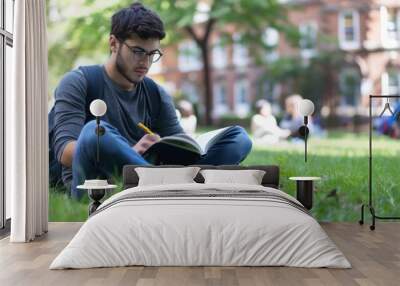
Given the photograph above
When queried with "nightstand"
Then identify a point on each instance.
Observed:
(95, 192)
(305, 190)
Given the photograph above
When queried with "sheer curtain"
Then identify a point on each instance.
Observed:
(26, 124)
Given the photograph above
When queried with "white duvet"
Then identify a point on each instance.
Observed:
(185, 231)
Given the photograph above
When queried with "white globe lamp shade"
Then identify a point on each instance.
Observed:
(98, 107)
(306, 107)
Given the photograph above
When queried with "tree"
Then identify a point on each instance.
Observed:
(250, 17)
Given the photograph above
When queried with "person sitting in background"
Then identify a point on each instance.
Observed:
(187, 119)
(389, 125)
(292, 119)
(264, 126)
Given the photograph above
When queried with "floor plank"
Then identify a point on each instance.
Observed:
(374, 255)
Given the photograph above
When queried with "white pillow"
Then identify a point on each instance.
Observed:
(163, 176)
(249, 177)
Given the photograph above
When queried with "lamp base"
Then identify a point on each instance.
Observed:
(96, 195)
(304, 131)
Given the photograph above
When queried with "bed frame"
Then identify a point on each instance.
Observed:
(270, 179)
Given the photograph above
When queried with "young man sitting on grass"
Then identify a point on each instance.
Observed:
(131, 97)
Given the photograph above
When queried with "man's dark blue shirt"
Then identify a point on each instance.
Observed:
(124, 110)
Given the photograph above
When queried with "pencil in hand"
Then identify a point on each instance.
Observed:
(145, 128)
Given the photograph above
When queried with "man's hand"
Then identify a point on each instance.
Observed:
(145, 142)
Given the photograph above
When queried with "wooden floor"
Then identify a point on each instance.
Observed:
(375, 257)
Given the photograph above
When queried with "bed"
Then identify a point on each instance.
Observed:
(201, 224)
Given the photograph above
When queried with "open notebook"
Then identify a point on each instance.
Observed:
(181, 148)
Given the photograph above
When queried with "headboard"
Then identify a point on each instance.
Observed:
(270, 179)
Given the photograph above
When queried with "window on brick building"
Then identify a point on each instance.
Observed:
(240, 52)
(241, 95)
(349, 86)
(308, 39)
(390, 18)
(349, 30)
(269, 91)
(394, 82)
(391, 82)
(190, 91)
(392, 25)
(220, 100)
(219, 55)
(271, 40)
(189, 58)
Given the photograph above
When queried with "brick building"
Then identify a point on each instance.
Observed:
(366, 31)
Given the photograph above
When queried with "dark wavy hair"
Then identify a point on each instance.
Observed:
(139, 20)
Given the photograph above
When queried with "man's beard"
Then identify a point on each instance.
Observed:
(123, 69)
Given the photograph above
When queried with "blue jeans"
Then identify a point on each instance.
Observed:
(115, 152)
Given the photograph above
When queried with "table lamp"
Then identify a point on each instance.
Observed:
(306, 108)
(98, 108)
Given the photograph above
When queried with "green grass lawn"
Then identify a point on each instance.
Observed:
(341, 160)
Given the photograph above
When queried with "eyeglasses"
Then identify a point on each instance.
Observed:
(140, 54)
